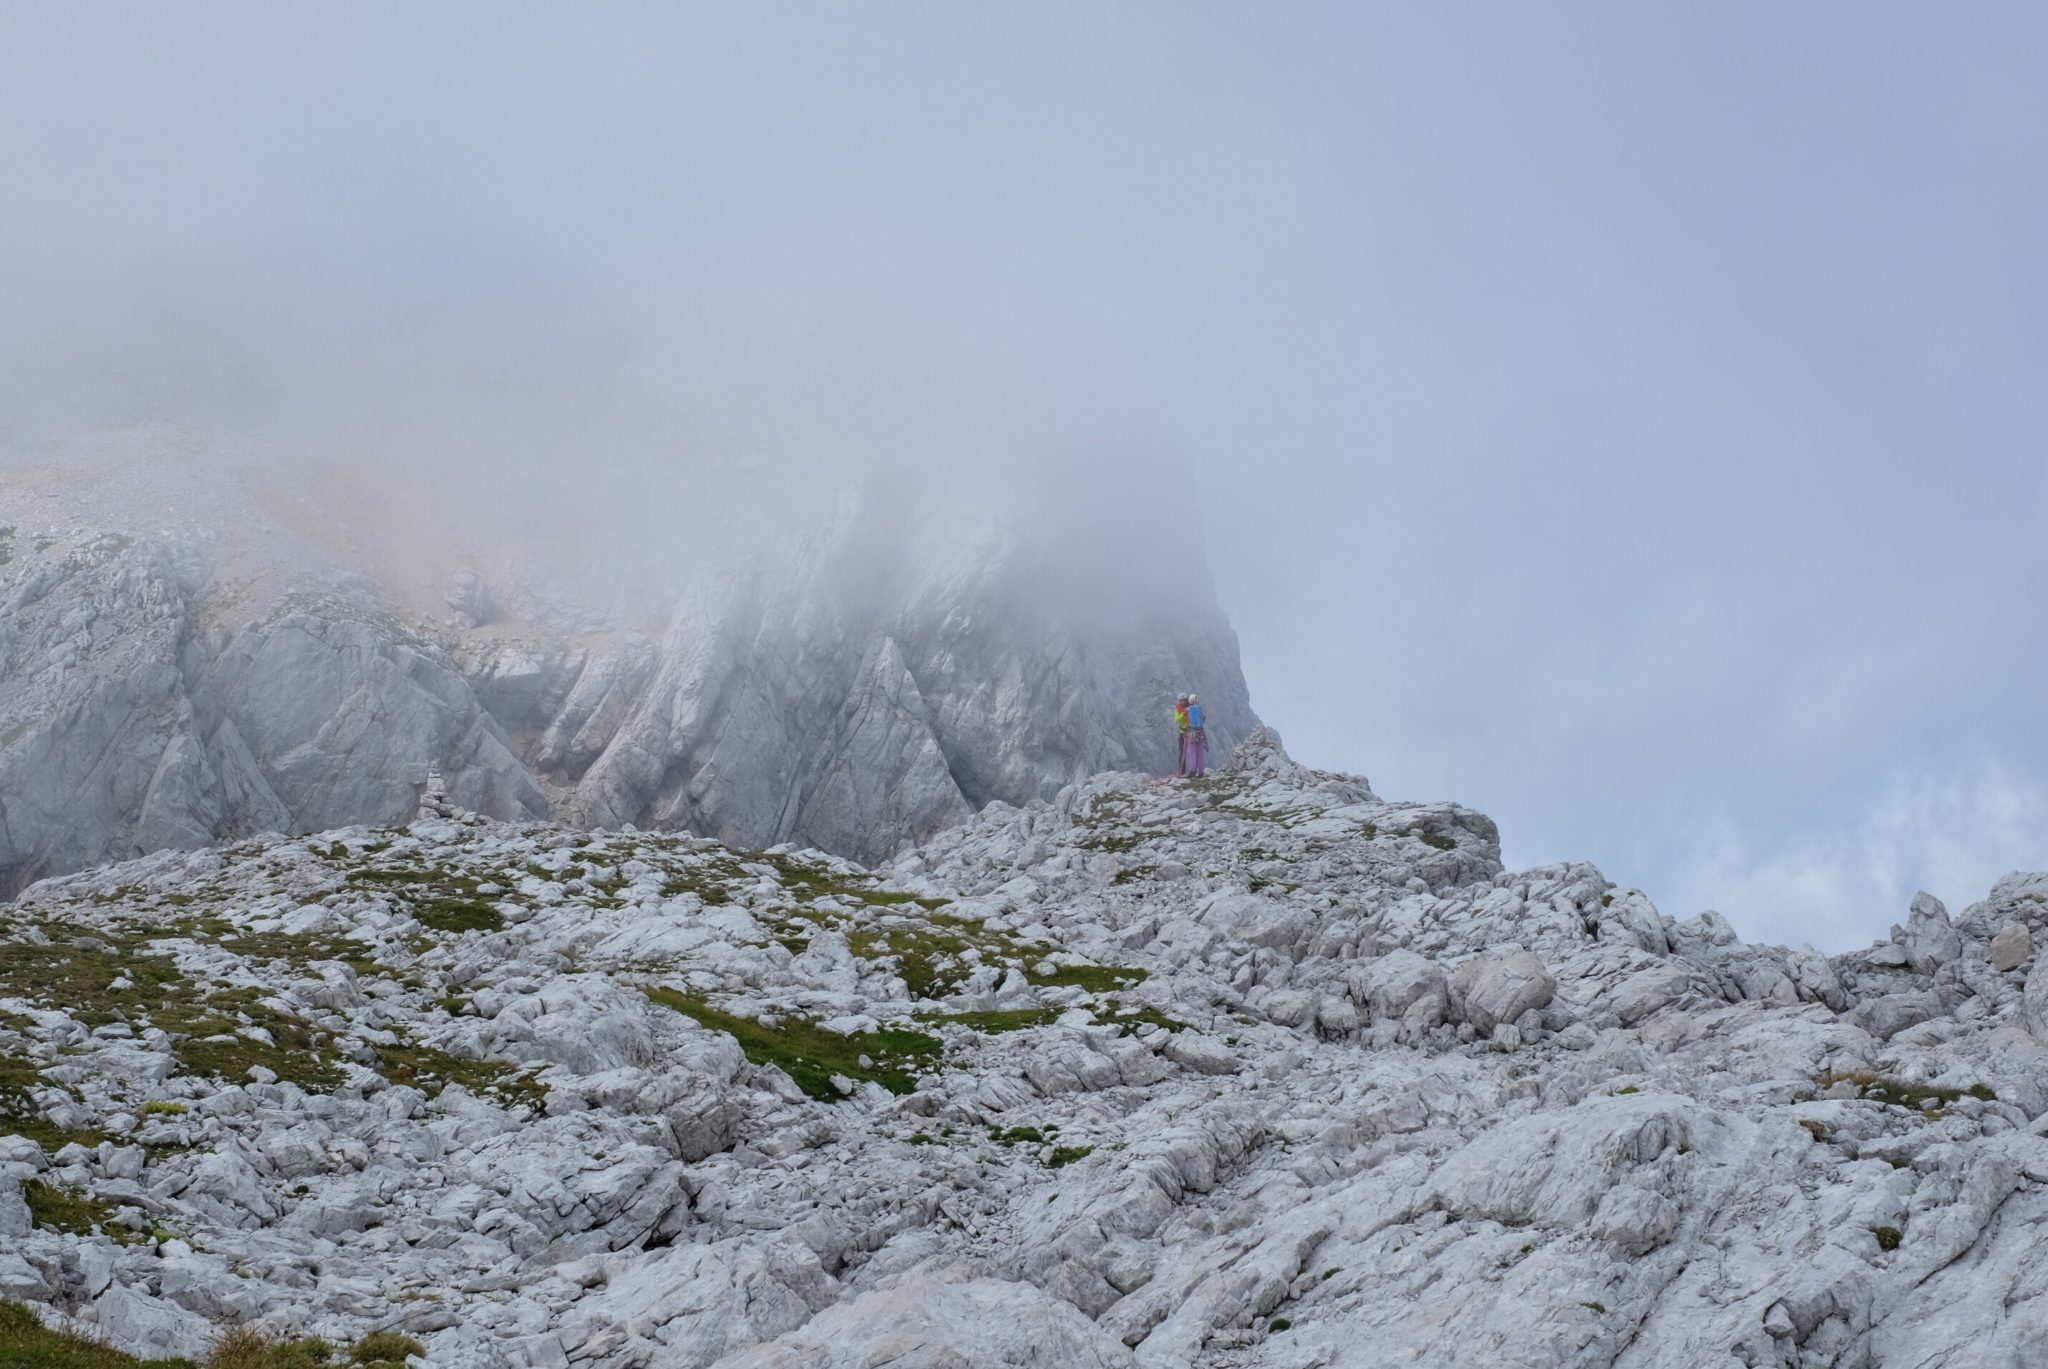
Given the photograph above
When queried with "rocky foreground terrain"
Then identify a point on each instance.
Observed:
(1262, 1071)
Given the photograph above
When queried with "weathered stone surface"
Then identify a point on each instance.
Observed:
(1648, 992)
(1491, 989)
(1891, 1014)
(1931, 940)
(2012, 947)
(983, 1322)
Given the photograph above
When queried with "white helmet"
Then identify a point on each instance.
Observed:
(1194, 698)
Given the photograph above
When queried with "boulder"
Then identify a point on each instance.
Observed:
(1490, 989)
(1646, 993)
(2012, 947)
(136, 1323)
(1400, 982)
(467, 599)
(1885, 1017)
(1931, 940)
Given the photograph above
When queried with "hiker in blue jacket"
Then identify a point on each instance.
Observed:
(1197, 739)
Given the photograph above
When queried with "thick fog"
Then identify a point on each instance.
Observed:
(1627, 424)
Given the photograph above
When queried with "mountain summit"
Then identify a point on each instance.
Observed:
(855, 679)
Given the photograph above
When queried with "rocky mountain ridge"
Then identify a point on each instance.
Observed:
(880, 681)
(1260, 1071)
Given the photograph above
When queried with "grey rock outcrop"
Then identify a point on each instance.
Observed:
(1931, 940)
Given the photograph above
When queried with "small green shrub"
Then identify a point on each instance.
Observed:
(1014, 1135)
(1888, 1237)
(384, 1347)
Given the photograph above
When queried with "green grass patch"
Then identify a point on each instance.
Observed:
(934, 952)
(1018, 1136)
(384, 1348)
(1888, 1237)
(1128, 1020)
(1437, 840)
(811, 1055)
(25, 1343)
(19, 1115)
(302, 949)
(458, 915)
(812, 882)
(79, 978)
(73, 1211)
(430, 1071)
(1135, 875)
(115, 977)
(445, 900)
(928, 959)
(1898, 1093)
(1093, 978)
(1062, 1156)
(997, 1022)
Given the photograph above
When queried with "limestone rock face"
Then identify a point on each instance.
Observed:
(882, 681)
(1264, 1072)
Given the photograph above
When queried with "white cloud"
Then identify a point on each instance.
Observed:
(1844, 885)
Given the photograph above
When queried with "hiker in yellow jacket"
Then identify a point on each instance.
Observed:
(1180, 725)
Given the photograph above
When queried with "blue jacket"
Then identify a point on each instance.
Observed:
(1194, 715)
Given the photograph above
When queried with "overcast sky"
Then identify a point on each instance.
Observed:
(1626, 423)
